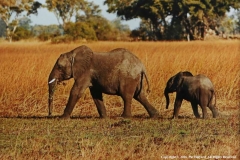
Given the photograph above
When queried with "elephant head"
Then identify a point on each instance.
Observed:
(68, 65)
(174, 83)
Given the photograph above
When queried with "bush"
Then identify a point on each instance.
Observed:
(21, 33)
(80, 31)
(62, 39)
(44, 36)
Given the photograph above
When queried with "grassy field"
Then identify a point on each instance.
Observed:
(27, 133)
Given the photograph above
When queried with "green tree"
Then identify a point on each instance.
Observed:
(190, 16)
(25, 22)
(229, 24)
(100, 25)
(121, 27)
(2, 28)
(23, 31)
(49, 29)
(11, 10)
(104, 29)
(122, 31)
(46, 32)
(238, 22)
(66, 10)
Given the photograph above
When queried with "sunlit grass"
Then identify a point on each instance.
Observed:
(25, 69)
(23, 93)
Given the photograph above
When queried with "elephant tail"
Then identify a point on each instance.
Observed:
(213, 100)
(145, 75)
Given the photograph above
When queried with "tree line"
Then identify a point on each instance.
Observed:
(74, 31)
(160, 19)
(174, 19)
(88, 25)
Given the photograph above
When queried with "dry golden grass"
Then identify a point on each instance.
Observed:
(25, 68)
(23, 93)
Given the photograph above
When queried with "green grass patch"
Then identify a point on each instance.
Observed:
(117, 138)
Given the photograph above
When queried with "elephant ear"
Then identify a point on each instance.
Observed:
(63, 60)
(81, 62)
(179, 79)
(187, 73)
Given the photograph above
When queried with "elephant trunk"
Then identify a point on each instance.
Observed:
(167, 97)
(52, 84)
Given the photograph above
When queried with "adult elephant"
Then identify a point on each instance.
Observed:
(117, 72)
(198, 90)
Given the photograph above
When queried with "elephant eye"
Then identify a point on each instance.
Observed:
(60, 66)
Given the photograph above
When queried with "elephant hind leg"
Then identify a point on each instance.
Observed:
(214, 111)
(204, 111)
(127, 92)
(140, 97)
(98, 100)
(212, 105)
(195, 109)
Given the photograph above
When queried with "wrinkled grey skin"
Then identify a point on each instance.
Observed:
(198, 90)
(117, 72)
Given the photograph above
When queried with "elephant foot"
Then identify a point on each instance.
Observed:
(103, 117)
(205, 117)
(174, 117)
(64, 116)
(126, 115)
(156, 115)
(215, 115)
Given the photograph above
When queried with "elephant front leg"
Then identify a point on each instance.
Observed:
(98, 100)
(177, 105)
(204, 112)
(75, 94)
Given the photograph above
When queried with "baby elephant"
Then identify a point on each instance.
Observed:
(196, 89)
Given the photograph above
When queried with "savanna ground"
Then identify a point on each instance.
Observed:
(27, 133)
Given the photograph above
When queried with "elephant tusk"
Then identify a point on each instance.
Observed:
(51, 81)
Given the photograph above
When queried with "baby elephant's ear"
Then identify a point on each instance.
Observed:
(81, 62)
(179, 79)
(187, 73)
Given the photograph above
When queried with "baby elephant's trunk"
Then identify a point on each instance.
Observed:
(167, 97)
